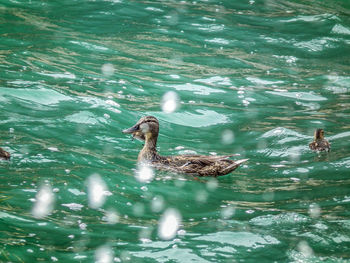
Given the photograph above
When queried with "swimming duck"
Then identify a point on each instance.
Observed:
(320, 143)
(4, 155)
(147, 129)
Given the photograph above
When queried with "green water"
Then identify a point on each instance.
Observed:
(253, 77)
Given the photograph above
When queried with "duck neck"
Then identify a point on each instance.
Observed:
(149, 150)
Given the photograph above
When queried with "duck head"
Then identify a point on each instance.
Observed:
(147, 128)
(319, 134)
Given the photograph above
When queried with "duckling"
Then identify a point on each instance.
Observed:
(320, 143)
(4, 155)
(147, 129)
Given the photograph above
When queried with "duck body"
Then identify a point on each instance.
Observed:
(320, 143)
(4, 155)
(200, 165)
(147, 129)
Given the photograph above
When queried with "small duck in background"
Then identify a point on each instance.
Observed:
(4, 155)
(320, 143)
(147, 129)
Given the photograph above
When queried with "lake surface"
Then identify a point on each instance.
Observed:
(254, 78)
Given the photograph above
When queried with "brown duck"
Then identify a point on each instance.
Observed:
(320, 143)
(4, 155)
(147, 129)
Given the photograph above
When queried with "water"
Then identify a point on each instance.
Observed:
(249, 77)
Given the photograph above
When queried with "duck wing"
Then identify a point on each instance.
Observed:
(201, 165)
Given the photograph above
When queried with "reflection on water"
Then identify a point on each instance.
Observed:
(253, 78)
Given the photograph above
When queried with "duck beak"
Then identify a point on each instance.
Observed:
(131, 130)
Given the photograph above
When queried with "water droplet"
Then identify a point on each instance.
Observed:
(227, 137)
(294, 154)
(212, 184)
(201, 196)
(107, 69)
(157, 204)
(44, 202)
(227, 212)
(97, 191)
(173, 18)
(305, 249)
(138, 209)
(268, 196)
(170, 102)
(111, 217)
(314, 210)
(104, 254)
(24, 149)
(169, 224)
(144, 173)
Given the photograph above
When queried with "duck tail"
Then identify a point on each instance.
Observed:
(233, 166)
(241, 161)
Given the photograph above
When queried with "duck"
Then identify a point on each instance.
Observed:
(4, 155)
(319, 143)
(147, 130)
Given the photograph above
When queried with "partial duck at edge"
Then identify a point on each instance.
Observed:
(4, 155)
